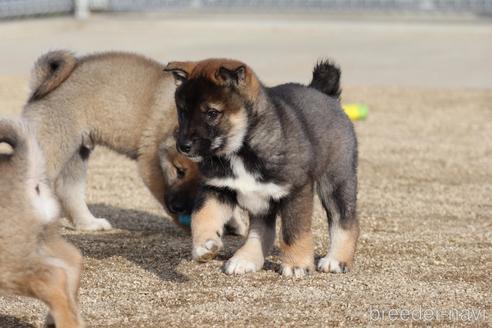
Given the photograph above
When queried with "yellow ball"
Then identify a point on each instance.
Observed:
(356, 111)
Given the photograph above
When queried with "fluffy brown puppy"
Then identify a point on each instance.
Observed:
(268, 150)
(119, 100)
(35, 261)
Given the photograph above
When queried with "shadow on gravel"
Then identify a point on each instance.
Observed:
(150, 241)
(7, 321)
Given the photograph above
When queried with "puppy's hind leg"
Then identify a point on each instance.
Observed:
(58, 248)
(49, 283)
(339, 201)
(297, 239)
(70, 188)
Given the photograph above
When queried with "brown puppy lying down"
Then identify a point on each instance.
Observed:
(35, 261)
(268, 150)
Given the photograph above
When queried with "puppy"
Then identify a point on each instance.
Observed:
(182, 181)
(119, 100)
(268, 150)
(35, 261)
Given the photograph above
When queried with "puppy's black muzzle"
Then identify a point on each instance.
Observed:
(184, 143)
(178, 204)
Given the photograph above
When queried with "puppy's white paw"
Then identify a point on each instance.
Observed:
(93, 224)
(207, 251)
(237, 265)
(295, 271)
(329, 264)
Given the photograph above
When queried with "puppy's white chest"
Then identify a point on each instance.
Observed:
(252, 194)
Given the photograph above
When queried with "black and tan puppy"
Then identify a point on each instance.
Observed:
(35, 261)
(267, 150)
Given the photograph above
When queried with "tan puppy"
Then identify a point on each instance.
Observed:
(34, 260)
(119, 100)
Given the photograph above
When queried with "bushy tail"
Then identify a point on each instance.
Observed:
(326, 78)
(49, 71)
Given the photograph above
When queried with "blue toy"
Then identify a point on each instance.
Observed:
(184, 219)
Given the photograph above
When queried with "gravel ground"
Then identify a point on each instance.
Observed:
(425, 208)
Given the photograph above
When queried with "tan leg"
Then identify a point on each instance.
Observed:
(62, 254)
(297, 239)
(298, 259)
(251, 256)
(343, 242)
(50, 284)
(207, 226)
(340, 206)
(70, 188)
(63, 250)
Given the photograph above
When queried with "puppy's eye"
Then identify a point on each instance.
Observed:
(180, 173)
(38, 191)
(212, 114)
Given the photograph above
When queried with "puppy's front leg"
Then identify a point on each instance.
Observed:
(207, 226)
(251, 256)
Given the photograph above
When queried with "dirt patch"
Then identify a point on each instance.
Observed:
(426, 217)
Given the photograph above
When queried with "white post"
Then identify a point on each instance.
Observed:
(196, 4)
(81, 9)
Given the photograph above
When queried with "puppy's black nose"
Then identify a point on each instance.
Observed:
(177, 208)
(176, 205)
(184, 147)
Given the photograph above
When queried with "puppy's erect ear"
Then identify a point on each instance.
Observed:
(234, 77)
(181, 70)
(179, 76)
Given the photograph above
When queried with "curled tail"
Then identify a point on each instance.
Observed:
(326, 78)
(49, 71)
(10, 139)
